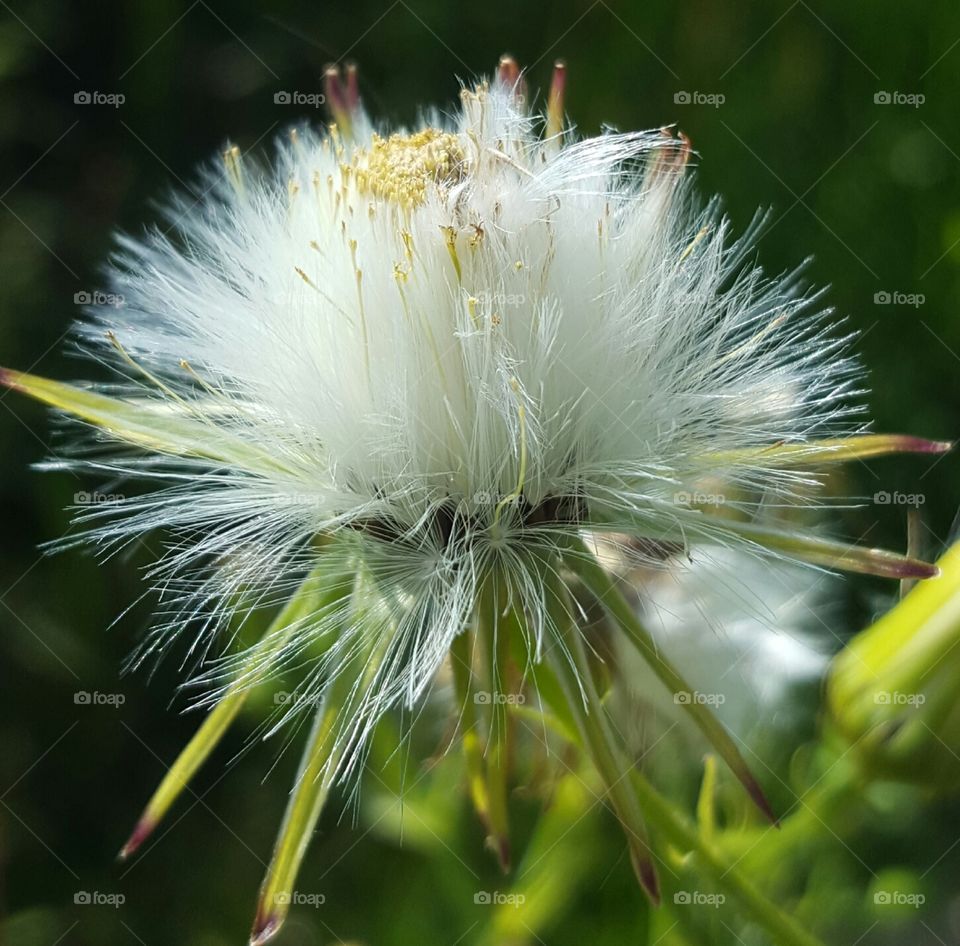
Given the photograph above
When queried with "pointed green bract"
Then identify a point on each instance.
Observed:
(146, 423)
(319, 589)
(329, 740)
(831, 450)
(707, 799)
(828, 553)
(603, 587)
(188, 762)
(306, 804)
(569, 659)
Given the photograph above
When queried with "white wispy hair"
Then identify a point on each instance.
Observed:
(447, 362)
(746, 631)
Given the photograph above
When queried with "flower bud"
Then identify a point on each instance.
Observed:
(893, 690)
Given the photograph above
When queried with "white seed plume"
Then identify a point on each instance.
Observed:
(451, 346)
(747, 633)
(394, 381)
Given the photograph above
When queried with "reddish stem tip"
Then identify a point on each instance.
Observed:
(265, 927)
(920, 445)
(141, 832)
(917, 569)
(503, 854)
(646, 874)
(760, 800)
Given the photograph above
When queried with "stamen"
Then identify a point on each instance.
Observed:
(306, 278)
(401, 168)
(754, 340)
(231, 159)
(153, 379)
(522, 475)
(407, 238)
(209, 388)
(363, 315)
(450, 235)
(701, 233)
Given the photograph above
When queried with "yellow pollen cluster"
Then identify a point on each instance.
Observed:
(401, 167)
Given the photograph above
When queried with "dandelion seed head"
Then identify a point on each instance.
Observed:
(447, 346)
(411, 390)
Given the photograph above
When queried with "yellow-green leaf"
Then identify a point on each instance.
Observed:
(146, 423)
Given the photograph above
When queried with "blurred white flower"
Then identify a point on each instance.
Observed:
(745, 631)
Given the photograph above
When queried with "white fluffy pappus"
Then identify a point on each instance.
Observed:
(490, 337)
(413, 365)
(745, 631)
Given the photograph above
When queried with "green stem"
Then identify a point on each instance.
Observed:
(486, 764)
(827, 810)
(494, 633)
(603, 587)
(303, 811)
(782, 927)
(461, 660)
(639, 800)
(320, 589)
(573, 669)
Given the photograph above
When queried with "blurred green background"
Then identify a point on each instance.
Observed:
(813, 109)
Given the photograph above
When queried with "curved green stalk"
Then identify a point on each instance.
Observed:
(314, 593)
(494, 632)
(603, 587)
(784, 929)
(303, 810)
(573, 669)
